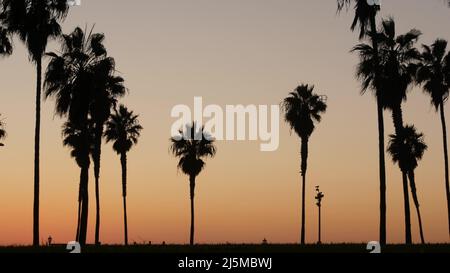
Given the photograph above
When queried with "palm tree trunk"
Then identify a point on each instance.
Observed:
(408, 238)
(77, 236)
(80, 192)
(447, 185)
(36, 152)
(382, 163)
(397, 116)
(84, 206)
(320, 226)
(123, 161)
(304, 166)
(412, 183)
(192, 190)
(97, 158)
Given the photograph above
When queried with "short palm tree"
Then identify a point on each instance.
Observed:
(365, 17)
(123, 129)
(2, 131)
(434, 75)
(79, 138)
(302, 109)
(192, 146)
(407, 149)
(35, 22)
(397, 59)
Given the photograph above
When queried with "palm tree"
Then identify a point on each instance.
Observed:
(84, 75)
(397, 65)
(302, 109)
(108, 88)
(79, 138)
(365, 15)
(434, 75)
(35, 22)
(191, 146)
(2, 131)
(407, 149)
(123, 129)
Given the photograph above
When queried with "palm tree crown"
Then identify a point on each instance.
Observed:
(434, 71)
(362, 15)
(407, 148)
(73, 76)
(123, 129)
(191, 146)
(303, 108)
(34, 21)
(398, 59)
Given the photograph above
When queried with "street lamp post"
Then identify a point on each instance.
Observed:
(319, 197)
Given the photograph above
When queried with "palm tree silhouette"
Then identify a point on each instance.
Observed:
(365, 15)
(6, 47)
(108, 88)
(35, 22)
(79, 138)
(397, 65)
(123, 129)
(191, 146)
(302, 108)
(82, 80)
(407, 149)
(434, 75)
(2, 131)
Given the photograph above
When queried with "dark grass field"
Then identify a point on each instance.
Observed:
(233, 249)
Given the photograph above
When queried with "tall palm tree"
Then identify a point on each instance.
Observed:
(85, 68)
(79, 138)
(35, 22)
(2, 132)
(191, 146)
(407, 149)
(108, 88)
(398, 59)
(302, 109)
(365, 16)
(434, 75)
(123, 129)
(73, 76)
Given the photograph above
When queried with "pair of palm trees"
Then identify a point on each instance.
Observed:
(389, 67)
(83, 81)
(396, 60)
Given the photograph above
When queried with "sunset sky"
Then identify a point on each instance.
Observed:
(228, 52)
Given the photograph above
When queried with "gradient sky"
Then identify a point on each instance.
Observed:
(228, 52)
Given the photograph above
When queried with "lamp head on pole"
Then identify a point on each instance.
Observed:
(374, 3)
